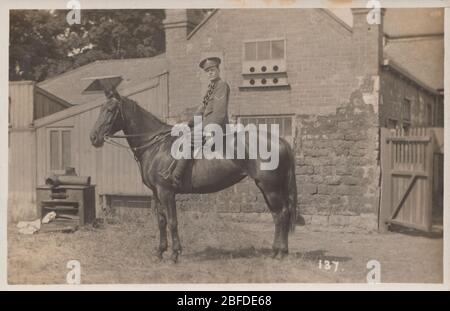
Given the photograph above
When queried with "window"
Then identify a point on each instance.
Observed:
(392, 123)
(264, 50)
(264, 64)
(430, 121)
(59, 149)
(99, 83)
(284, 124)
(406, 113)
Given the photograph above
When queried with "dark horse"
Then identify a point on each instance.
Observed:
(150, 140)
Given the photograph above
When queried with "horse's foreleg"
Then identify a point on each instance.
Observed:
(168, 199)
(162, 224)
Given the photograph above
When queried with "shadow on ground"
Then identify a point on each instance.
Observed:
(212, 253)
(436, 232)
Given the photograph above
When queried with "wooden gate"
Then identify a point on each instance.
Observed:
(407, 178)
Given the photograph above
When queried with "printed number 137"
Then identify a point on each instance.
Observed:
(326, 264)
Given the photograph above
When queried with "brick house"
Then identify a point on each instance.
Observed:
(327, 77)
(329, 82)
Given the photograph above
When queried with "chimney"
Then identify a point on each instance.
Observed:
(368, 40)
(177, 25)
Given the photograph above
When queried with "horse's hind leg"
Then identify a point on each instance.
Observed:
(168, 200)
(162, 224)
(277, 203)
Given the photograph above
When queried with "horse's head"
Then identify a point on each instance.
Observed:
(108, 122)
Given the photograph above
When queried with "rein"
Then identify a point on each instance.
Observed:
(153, 140)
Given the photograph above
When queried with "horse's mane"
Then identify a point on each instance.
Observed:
(150, 119)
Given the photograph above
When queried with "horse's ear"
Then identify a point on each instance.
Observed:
(112, 93)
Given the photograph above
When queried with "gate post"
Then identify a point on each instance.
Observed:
(385, 163)
(429, 192)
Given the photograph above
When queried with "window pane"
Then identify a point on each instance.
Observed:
(430, 115)
(284, 123)
(54, 150)
(65, 149)
(280, 126)
(273, 121)
(287, 127)
(277, 49)
(406, 110)
(392, 124)
(263, 50)
(250, 51)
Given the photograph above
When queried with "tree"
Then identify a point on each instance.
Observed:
(32, 43)
(43, 44)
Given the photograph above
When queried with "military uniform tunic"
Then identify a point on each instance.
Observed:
(214, 108)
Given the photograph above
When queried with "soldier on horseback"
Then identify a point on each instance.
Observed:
(213, 110)
(146, 137)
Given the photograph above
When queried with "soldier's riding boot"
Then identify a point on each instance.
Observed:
(177, 174)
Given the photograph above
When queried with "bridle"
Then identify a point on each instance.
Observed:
(158, 137)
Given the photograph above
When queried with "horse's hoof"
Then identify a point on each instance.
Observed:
(157, 257)
(274, 254)
(279, 254)
(282, 254)
(174, 257)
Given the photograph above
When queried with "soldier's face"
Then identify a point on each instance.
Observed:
(213, 73)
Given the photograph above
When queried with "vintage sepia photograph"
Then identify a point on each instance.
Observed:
(222, 145)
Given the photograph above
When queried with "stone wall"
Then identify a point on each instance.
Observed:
(337, 165)
(337, 170)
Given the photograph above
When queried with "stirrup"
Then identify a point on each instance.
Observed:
(166, 174)
(174, 181)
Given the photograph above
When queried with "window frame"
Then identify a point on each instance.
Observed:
(60, 130)
(264, 40)
(96, 88)
(289, 139)
(392, 123)
(430, 114)
(406, 122)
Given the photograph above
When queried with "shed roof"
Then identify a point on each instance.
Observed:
(422, 57)
(70, 85)
(417, 46)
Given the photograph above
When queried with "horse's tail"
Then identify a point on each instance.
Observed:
(292, 193)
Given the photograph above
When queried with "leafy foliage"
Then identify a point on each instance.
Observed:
(43, 44)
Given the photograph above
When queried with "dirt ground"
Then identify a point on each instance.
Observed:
(220, 249)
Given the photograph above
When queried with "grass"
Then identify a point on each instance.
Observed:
(219, 249)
